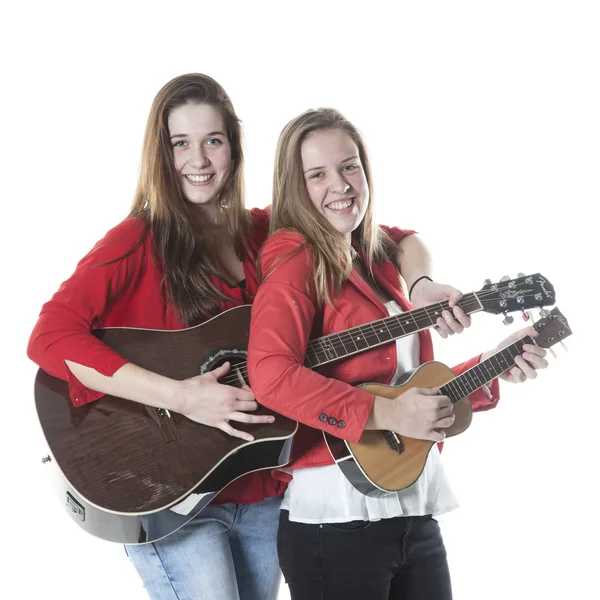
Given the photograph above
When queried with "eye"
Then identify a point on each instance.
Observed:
(317, 175)
(350, 167)
(179, 144)
(214, 142)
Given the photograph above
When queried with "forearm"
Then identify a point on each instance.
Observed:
(131, 383)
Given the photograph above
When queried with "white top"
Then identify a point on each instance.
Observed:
(324, 495)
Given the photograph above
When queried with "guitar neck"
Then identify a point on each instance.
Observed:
(479, 375)
(335, 346)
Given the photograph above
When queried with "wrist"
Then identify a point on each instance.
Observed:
(172, 396)
(379, 417)
(415, 282)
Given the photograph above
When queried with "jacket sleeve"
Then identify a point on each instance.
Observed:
(281, 324)
(396, 233)
(479, 399)
(63, 329)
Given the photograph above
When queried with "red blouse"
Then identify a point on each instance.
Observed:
(128, 293)
(285, 317)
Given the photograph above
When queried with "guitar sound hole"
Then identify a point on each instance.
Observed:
(238, 371)
(393, 441)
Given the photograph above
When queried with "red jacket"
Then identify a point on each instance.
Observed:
(284, 318)
(127, 293)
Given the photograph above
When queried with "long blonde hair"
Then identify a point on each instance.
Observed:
(292, 208)
(182, 240)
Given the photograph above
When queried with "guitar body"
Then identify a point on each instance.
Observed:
(134, 474)
(126, 473)
(371, 465)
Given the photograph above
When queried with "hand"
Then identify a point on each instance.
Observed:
(526, 364)
(206, 401)
(428, 292)
(419, 413)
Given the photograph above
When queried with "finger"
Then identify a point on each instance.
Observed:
(444, 402)
(535, 350)
(243, 417)
(442, 328)
(445, 422)
(227, 428)
(436, 435)
(244, 394)
(454, 297)
(428, 391)
(445, 411)
(514, 375)
(452, 323)
(536, 362)
(246, 405)
(528, 371)
(461, 317)
(220, 371)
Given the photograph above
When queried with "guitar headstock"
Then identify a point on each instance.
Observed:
(552, 329)
(522, 293)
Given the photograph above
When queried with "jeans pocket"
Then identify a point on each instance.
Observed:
(348, 526)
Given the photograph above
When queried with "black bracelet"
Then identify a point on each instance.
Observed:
(415, 283)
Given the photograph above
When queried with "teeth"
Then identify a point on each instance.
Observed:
(199, 178)
(340, 205)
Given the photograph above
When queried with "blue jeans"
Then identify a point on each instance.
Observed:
(228, 552)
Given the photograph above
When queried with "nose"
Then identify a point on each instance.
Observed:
(338, 184)
(199, 157)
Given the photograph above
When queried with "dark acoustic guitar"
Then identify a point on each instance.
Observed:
(383, 461)
(133, 474)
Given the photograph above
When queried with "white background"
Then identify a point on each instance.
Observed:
(482, 119)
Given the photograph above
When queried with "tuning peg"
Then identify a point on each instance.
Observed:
(564, 346)
(544, 313)
(552, 352)
(526, 316)
(520, 274)
(508, 320)
(505, 278)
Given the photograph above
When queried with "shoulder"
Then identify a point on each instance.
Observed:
(122, 239)
(286, 252)
(261, 220)
(396, 233)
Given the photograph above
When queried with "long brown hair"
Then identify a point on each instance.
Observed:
(292, 208)
(182, 241)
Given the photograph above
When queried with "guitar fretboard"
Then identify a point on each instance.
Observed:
(352, 341)
(479, 375)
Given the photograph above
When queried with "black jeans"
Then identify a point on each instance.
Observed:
(401, 559)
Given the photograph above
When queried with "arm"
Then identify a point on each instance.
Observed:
(282, 318)
(63, 345)
(415, 263)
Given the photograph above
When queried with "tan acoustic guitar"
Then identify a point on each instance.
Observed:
(384, 461)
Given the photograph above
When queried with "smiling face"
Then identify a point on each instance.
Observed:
(201, 152)
(335, 179)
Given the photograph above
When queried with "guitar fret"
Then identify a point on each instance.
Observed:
(477, 376)
(429, 316)
(335, 346)
(339, 337)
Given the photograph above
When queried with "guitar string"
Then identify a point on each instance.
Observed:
(338, 344)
